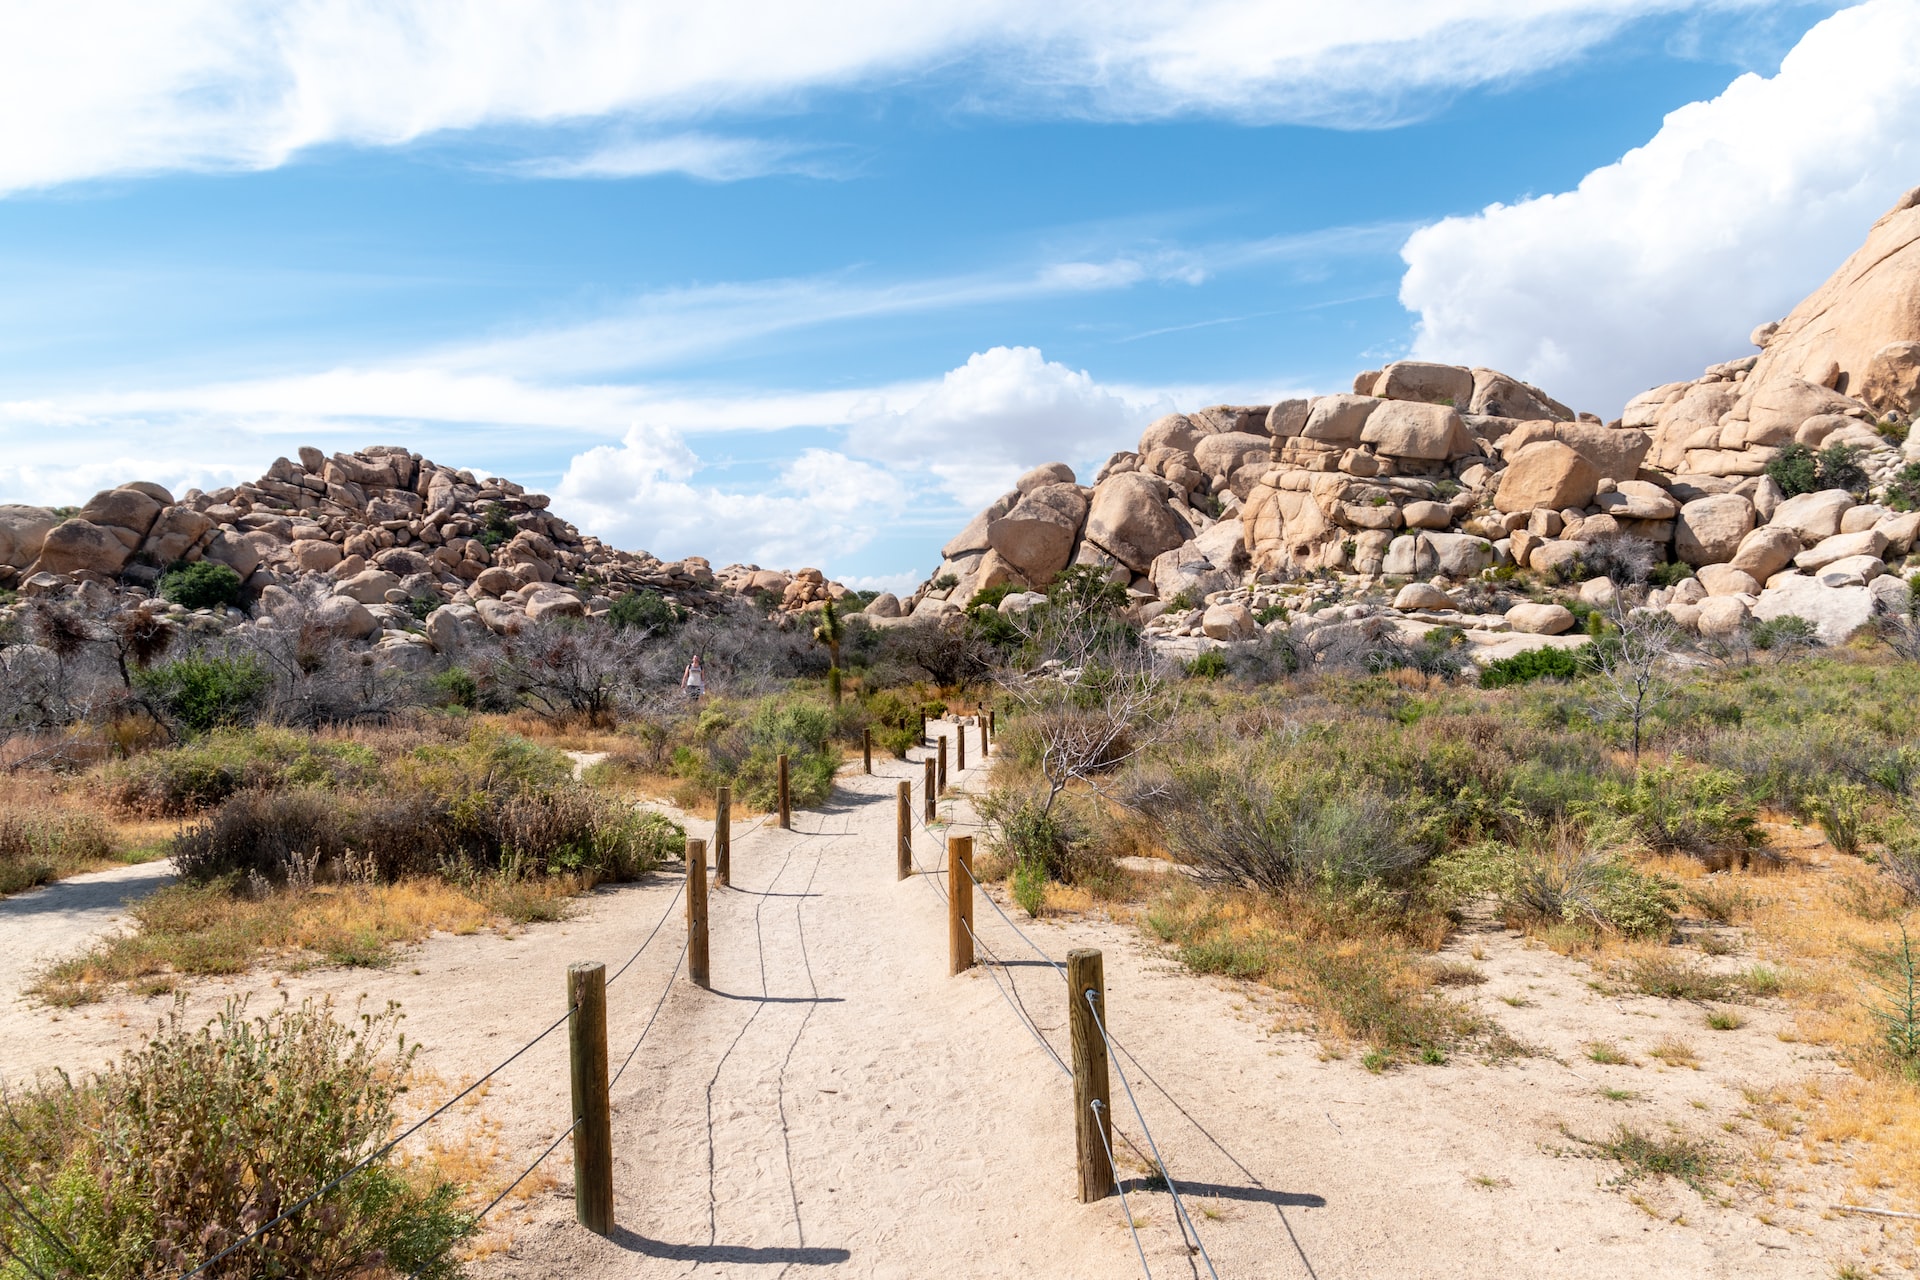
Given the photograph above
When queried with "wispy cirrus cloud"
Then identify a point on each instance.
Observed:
(117, 87)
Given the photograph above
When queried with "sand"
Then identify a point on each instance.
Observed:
(838, 1105)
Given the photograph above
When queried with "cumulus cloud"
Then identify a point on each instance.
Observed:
(641, 493)
(1662, 262)
(129, 86)
(1003, 411)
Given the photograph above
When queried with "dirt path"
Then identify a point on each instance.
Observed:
(838, 1105)
(67, 916)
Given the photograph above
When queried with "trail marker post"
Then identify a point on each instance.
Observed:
(1092, 1109)
(960, 746)
(928, 791)
(903, 828)
(786, 797)
(984, 749)
(959, 904)
(697, 911)
(592, 1111)
(943, 764)
(866, 748)
(723, 836)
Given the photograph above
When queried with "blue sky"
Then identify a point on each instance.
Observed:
(809, 294)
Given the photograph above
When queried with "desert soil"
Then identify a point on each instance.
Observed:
(836, 1104)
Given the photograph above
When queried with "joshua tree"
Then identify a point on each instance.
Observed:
(828, 633)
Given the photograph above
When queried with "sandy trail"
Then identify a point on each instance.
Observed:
(66, 916)
(838, 1105)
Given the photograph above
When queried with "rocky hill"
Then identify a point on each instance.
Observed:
(1426, 476)
(381, 532)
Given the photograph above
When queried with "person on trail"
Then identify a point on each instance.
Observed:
(695, 680)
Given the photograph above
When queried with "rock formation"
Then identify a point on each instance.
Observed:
(383, 533)
(1439, 473)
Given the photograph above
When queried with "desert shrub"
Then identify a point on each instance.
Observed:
(1533, 664)
(456, 687)
(1210, 665)
(895, 721)
(745, 753)
(205, 584)
(37, 845)
(1671, 574)
(1788, 633)
(498, 526)
(989, 598)
(1561, 878)
(647, 610)
(1676, 808)
(199, 774)
(206, 693)
(175, 1152)
(1903, 491)
(1840, 469)
(1795, 469)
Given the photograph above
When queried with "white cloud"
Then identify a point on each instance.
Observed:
(130, 86)
(1662, 262)
(698, 155)
(640, 492)
(1005, 410)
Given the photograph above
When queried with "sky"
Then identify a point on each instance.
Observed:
(807, 284)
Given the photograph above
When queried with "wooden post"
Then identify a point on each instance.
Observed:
(593, 1134)
(903, 825)
(959, 904)
(1092, 1129)
(866, 747)
(786, 797)
(983, 737)
(942, 779)
(697, 911)
(723, 836)
(993, 722)
(960, 746)
(923, 728)
(928, 791)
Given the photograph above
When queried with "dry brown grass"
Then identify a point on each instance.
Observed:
(99, 839)
(189, 930)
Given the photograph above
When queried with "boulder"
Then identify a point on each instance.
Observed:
(501, 618)
(175, 532)
(1837, 612)
(1219, 456)
(1556, 556)
(1457, 555)
(1864, 516)
(1638, 500)
(1424, 432)
(1710, 529)
(1721, 616)
(22, 531)
(884, 605)
(1892, 381)
(1836, 331)
(1339, 419)
(453, 627)
(1426, 515)
(1420, 595)
(1725, 580)
(1287, 418)
(1599, 592)
(1130, 520)
(1425, 383)
(555, 604)
(1044, 474)
(1495, 395)
(1868, 542)
(1020, 601)
(126, 510)
(1228, 622)
(496, 580)
(1851, 571)
(1187, 569)
(1901, 531)
(1540, 619)
(1546, 473)
(345, 617)
(370, 586)
(240, 552)
(1174, 431)
(1037, 535)
(1615, 452)
(80, 546)
(1813, 516)
(315, 555)
(970, 540)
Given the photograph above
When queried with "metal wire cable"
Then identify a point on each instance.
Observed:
(40, 1226)
(1180, 1208)
(1019, 1010)
(1125, 1209)
(665, 992)
(656, 929)
(435, 1114)
(524, 1174)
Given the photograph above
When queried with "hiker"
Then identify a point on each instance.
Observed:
(695, 680)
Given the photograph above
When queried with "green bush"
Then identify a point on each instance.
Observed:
(1272, 613)
(1210, 665)
(200, 774)
(746, 755)
(204, 694)
(1788, 632)
(1670, 574)
(989, 598)
(1795, 469)
(206, 584)
(1680, 808)
(648, 610)
(174, 1153)
(1840, 468)
(1533, 664)
(1903, 491)
(499, 527)
(456, 687)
